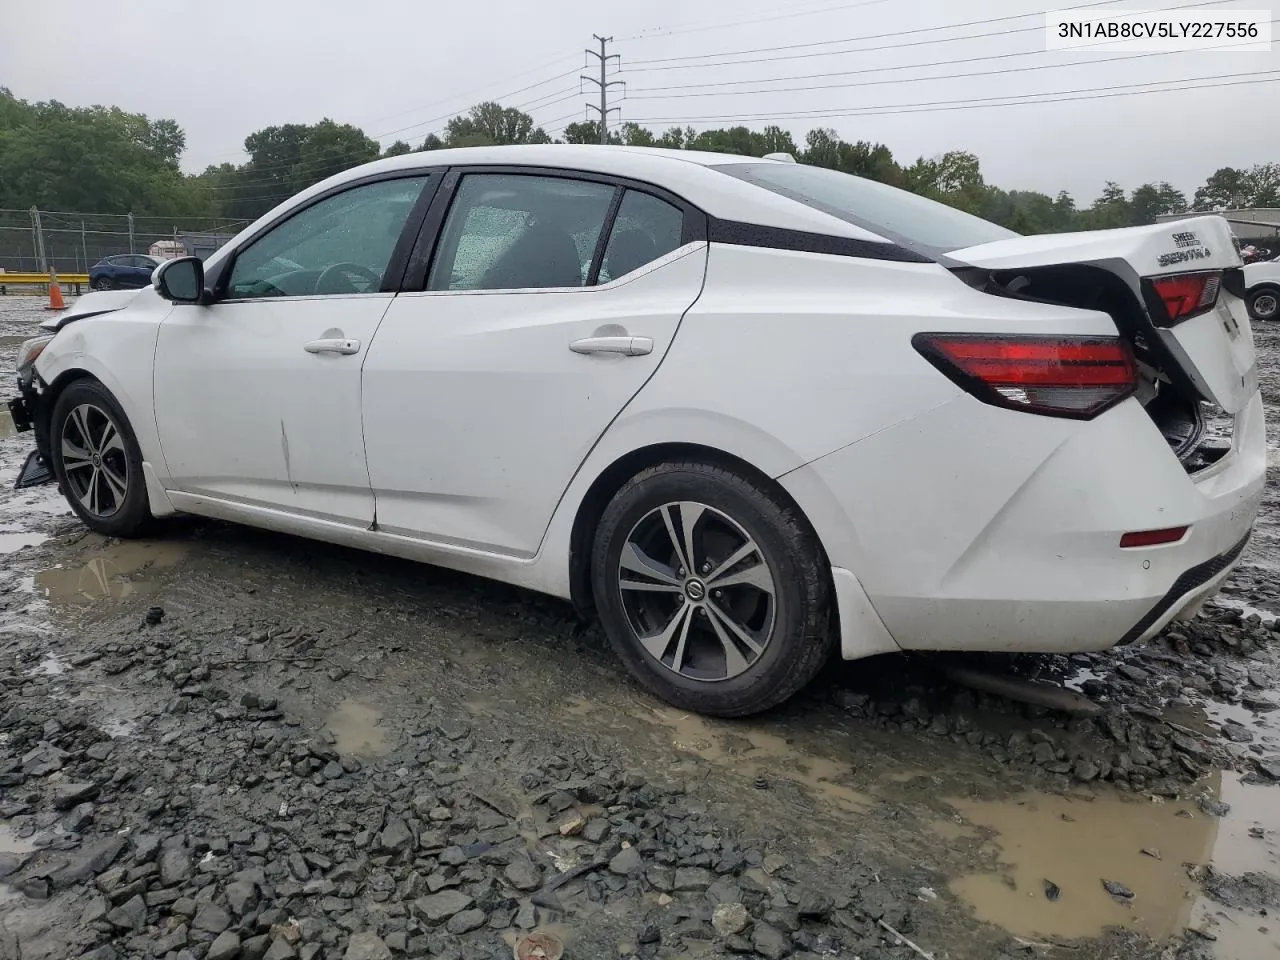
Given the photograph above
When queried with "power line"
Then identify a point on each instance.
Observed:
(971, 103)
(791, 15)
(650, 93)
(639, 66)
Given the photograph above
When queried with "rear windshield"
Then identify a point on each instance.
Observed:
(915, 222)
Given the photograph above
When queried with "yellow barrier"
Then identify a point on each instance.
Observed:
(7, 280)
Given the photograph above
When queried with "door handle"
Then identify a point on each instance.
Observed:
(342, 345)
(627, 346)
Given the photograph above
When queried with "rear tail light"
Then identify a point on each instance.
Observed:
(1187, 294)
(1076, 377)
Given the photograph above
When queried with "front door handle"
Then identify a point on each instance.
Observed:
(342, 345)
(627, 346)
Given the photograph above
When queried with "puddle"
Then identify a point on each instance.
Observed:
(751, 752)
(1077, 680)
(113, 574)
(13, 540)
(356, 728)
(1077, 842)
(7, 428)
(50, 666)
(10, 843)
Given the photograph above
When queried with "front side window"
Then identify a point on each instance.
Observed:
(646, 228)
(519, 232)
(340, 245)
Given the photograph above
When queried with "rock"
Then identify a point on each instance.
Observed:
(1136, 674)
(1269, 766)
(255, 948)
(211, 918)
(466, 921)
(1188, 746)
(1117, 890)
(175, 865)
(1052, 891)
(691, 878)
(628, 861)
(130, 915)
(770, 942)
(242, 896)
(1085, 770)
(67, 795)
(526, 915)
(11, 863)
(396, 836)
(1214, 808)
(1259, 703)
(366, 946)
(730, 918)
(596, 831)
(523, 874)
(225, 947)
(439, 907)
(280, 949)
(814, 904)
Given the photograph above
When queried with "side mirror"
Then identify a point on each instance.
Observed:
(180, 280)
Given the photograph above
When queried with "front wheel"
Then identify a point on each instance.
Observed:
(1263, 303)
(711, 588)
(97, 460)
(102, 283)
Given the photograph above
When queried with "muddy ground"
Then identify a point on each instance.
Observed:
(224, 743)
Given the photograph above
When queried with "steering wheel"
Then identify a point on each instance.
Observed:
(345, 270)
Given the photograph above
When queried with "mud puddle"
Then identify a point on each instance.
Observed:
(1050, 854)
(356, 730)
(113, 572)
(13, 540)
(7, 429)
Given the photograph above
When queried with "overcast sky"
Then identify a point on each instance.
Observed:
(398, 68)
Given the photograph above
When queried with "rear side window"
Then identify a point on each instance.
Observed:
(520, 232)
(645, 229)
(913, 221)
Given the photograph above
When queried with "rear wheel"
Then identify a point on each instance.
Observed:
(1263, 303)
(97, 460)
(711, 588)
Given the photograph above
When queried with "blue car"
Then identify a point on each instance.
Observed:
(125, 270)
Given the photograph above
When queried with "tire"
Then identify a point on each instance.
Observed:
(102, 283)
(780, 601)
(1263, 303)
(97, 461)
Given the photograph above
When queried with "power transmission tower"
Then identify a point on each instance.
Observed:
(604, 83)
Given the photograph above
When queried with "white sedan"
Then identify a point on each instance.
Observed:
(747, 412)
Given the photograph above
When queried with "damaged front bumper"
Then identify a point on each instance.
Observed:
(24, 410)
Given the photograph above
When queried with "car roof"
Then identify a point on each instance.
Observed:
(685, 173)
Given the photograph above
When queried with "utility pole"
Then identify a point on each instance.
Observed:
(39, 231)
(131, 232)
(604, 83)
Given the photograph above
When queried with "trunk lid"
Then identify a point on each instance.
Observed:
(1213, 349)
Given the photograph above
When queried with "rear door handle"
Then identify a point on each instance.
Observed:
(343, 345)
(627, 346)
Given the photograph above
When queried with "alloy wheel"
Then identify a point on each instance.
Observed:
(699, 593)
(94, 460)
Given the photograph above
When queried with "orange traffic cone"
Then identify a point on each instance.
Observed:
(55, 293)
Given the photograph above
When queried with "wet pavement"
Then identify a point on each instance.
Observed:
(311, 752)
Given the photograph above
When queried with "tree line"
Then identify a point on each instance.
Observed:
(107, 160)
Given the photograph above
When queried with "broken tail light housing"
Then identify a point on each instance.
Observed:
(1186, 295)
(1073, 377)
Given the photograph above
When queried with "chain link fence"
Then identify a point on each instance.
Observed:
(40, 240)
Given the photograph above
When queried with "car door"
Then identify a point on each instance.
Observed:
(550, 299)
(140, 270)
(257, 395)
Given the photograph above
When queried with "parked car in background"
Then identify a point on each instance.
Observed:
(125, 270)
(748, 412)
(1262, 288)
